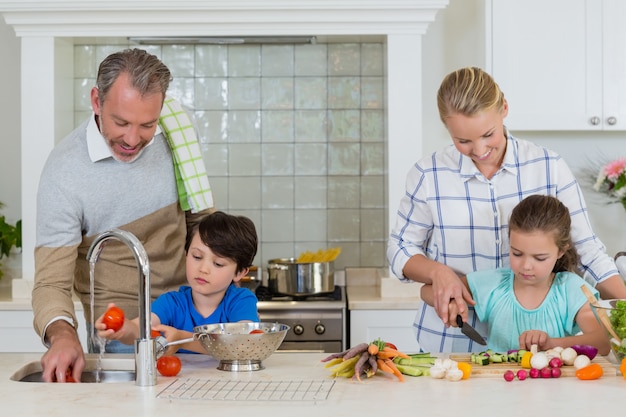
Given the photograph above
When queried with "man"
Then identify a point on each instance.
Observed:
(116, 170)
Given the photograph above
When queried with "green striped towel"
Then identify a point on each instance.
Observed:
(194, 190)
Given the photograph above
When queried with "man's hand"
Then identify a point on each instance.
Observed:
(65, 353)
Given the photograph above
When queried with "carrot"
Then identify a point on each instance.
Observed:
(383, 366)
(390, 353)
(394, 369)
(373, 366)
(372, 349)
(358, 368)
(356, 350)
(335, 355)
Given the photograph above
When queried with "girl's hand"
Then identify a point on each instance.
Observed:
(534, 337)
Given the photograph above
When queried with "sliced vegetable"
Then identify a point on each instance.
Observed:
(525, 361)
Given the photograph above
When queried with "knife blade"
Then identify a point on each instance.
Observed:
(469, 331)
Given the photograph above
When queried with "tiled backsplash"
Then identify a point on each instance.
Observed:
(293, 137)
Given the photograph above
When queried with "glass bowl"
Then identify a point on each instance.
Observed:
(611, 314)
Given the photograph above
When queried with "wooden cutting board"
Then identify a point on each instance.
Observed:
(498, 369)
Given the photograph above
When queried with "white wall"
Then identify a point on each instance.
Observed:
(10, 122)
(457, 39)
(454, 40)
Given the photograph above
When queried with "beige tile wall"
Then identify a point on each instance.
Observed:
(293, 136)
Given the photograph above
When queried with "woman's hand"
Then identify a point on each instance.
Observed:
(449, 289)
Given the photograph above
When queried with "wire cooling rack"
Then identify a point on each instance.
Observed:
(215, 389)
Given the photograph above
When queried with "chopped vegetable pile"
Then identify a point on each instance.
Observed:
(618, 321)
(366, 359)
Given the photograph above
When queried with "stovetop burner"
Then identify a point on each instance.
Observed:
(263, 293)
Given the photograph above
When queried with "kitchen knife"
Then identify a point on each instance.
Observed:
(469, 331)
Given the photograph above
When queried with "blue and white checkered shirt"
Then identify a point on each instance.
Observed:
(452, 214)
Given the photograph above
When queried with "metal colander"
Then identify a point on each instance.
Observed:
(237, 349)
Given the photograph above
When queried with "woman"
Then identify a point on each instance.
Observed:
(453, 217)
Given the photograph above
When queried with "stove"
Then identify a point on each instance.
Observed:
(318, 321)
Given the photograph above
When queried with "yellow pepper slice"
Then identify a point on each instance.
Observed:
(525, 362)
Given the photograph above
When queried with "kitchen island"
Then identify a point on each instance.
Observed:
(380, 395)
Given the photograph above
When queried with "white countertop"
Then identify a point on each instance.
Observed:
(486, 396)
(369, 298)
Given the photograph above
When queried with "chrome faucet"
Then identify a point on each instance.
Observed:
(145, 348)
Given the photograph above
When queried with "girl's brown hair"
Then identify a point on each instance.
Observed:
(549, 215)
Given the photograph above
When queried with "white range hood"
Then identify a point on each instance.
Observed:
(47, 29)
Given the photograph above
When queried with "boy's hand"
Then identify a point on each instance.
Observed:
(109, 334)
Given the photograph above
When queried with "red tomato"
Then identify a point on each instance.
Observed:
(68, 375)
(391, 345)
(113, 318)
(254, 331)
(169, 365)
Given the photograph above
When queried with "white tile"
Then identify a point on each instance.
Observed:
(244, 61)
(372, 254)
(277, 193)
(344, 125)
(344, 192)
(244, 126)
(344, 59)
(211, 93)
(372, 158)
(311, 92)
(311, 192)
(211, 61)
(344, 225)
(311, 159)
(244, 193)
(244, 93)
(344, 159)
(311, 60)
(311, 125)
(278, 226)
(85, 65)
(372, 225)
(212, 126)
(180, 59)
(372, 93)
(277, 93)
(344, 93)
(219, 189)
(82, 93)
(277, 126)
(277, 60)
(278, 159)
(183, 90)
(372, 126)
(372, 191)
(244, 159)
(372, 59)
(310, 225)
(215, 159)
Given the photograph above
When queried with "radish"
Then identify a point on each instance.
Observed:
(509, 376)
(534, 373)
(546, 372)
(555, 363)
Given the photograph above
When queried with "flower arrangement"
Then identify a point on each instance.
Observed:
(612, 180)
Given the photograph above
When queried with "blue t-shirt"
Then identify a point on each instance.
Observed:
(506, 319)
(176, 309)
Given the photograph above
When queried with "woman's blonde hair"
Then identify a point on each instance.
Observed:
(468, 91)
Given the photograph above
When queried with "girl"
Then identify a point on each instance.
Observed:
(538, 300)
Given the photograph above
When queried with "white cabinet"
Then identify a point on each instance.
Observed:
(18, 335)
(560, 63)
(395, 326)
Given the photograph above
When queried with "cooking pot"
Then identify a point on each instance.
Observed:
(286, 276)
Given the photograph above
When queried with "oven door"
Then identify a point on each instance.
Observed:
(311, 347)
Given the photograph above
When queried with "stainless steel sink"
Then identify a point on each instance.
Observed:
(113, 368)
